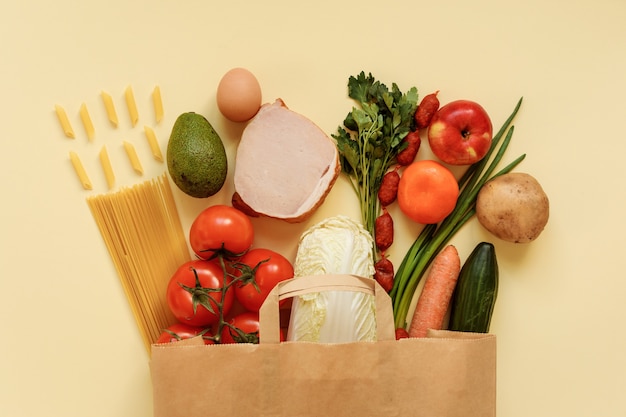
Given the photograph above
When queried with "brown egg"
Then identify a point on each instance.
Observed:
(239, 95)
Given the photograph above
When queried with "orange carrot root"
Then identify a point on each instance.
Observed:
(433, 302)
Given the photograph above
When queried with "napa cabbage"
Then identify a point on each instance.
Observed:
(336, 245)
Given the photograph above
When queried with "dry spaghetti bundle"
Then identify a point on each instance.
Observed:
(143, 234)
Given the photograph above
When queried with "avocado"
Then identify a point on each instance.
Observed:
(196, 158)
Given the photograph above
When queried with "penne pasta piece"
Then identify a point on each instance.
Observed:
(105, 161)
(80, 171)
(110, 108)
(132, 105)
(154, 143)
(65, 122)
(158, 104)
(132, 156)
(87, 123)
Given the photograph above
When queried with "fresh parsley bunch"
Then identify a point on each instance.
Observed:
(371, 138)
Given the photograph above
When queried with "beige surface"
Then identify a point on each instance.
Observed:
(70, 345)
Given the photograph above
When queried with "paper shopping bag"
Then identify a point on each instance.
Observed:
(446, 374)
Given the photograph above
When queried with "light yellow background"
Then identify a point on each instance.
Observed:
(70, 346)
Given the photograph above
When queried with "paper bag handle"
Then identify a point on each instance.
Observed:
(269, 314)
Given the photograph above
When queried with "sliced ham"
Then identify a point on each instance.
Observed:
(285, 165)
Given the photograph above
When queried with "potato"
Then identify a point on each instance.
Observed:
(513, 207)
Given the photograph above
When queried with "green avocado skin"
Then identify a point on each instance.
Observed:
(196, 158)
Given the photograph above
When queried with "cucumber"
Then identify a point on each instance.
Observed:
(475, 294)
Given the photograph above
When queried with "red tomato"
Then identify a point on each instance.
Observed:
(268, 268)
(248, 324)
(186, 293)
(181, 331)
(221, 228)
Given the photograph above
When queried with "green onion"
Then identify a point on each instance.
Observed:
(434, 237)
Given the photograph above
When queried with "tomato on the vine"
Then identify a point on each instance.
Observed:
(221, 229)
(195, 290)
(181, 331)
(260, 269)
(243, 328)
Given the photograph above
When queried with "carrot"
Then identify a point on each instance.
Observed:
(433, 302)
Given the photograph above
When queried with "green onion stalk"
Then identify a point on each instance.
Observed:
(433, 237)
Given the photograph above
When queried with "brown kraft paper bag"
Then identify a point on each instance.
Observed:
(446, 374)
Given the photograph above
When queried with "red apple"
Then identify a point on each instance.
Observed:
(460, 133)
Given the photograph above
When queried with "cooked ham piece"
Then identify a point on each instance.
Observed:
(285, 165)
